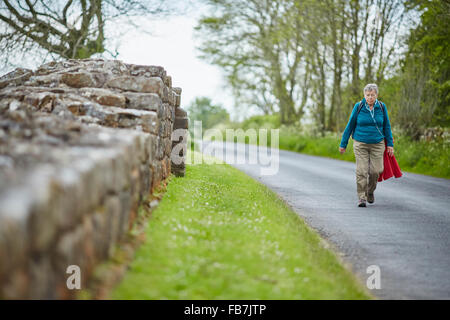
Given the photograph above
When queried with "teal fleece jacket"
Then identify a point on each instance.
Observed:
(362, 127)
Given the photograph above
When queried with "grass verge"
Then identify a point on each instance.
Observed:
(219, 234)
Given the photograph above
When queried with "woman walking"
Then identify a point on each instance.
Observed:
(368, 125)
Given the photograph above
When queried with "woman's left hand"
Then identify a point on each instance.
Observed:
(390, 151)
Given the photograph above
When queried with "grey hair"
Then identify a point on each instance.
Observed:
(371, 87)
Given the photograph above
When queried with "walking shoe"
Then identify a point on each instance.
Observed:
(361, 203)
(370, 198)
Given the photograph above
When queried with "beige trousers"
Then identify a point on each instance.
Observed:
(369, 165)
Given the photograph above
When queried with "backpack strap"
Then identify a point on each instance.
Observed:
(360, 105)
(383, 108)
(359, 108)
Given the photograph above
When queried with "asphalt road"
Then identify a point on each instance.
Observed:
(406, 232)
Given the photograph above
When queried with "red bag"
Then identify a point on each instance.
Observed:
(391, 168)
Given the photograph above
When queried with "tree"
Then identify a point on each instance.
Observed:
(258, 45)
(337, 22)
(326, 44)
(288, 55)
(374, 29)
(66, 28)
(424, 93)
(202, 109)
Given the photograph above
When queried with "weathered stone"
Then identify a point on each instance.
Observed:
(100, 233)
(146, 140)
(160, 148)
(167, 147)
(150, 123)
(147, 71)
(180, 113)
(77, 108)
(181, 123)
(144, 101)
(89, 120)
(47, 68)
(156, 173)
(144, 180)
(78, 79)
(42, 284)
(16, 77)
(114, 66)
(40, 100)
(120, 174)
(69, 194)
(43, 220)
(13, 93)
(104, 97)
(164, 169)
(16, 285)
(15, 207)
(162, 128)
(171, 113)
(168, 129)
(125, 210)
(172, 98)
(100, 78)
(177, 90)
(177, 100)
(91, 179)
(107, 116)
(88, 246)
(168, 81)
(51, 80)
(168, 110)
(139, 84)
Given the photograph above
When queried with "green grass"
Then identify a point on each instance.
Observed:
(219, 234)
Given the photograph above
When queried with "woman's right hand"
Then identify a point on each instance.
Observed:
(341, 150)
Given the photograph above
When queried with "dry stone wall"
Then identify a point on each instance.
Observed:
(82, 145)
